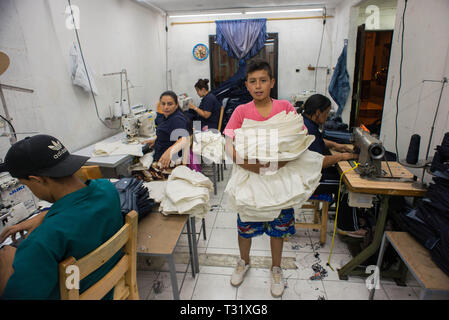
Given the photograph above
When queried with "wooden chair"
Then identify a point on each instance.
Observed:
(220, 120)
(319, 220)
(89, 172)
(122, 277)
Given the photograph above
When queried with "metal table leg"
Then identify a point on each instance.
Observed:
(372, 248)
(174, 281)
(203, 225)
(189, 238)
(383, 247)
(195, 246)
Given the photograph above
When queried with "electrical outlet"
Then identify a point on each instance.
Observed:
(2, 123)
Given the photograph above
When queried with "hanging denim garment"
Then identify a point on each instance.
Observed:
(339, 86)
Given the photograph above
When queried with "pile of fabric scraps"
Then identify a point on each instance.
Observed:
(155, 172)
(260, 197)
(117, 148)
(134, 196)
(186, 192)
(320, 272)
(144, 162)
(209, 145)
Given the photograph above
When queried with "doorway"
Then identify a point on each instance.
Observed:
(222, 67)
(370, 78)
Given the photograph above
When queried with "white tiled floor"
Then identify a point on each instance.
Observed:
(214, 282)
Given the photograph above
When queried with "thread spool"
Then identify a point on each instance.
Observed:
(413, 149)
(117, 109)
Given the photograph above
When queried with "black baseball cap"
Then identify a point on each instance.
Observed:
(41, 155)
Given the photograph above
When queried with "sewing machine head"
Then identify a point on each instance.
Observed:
(371, 152)
(139, 122)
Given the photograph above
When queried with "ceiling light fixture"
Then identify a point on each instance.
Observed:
(283, 11)
(206, 14)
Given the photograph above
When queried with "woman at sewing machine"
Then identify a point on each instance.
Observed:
(209, 108)
(315, 111)
(172, 132)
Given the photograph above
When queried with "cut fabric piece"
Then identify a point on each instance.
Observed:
(339, 85)
(79, 74)
(186, 192)
(241, 39)
(117, 148)
(156, 189)
(209, 145)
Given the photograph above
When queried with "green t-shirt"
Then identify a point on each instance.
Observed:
(75, 225)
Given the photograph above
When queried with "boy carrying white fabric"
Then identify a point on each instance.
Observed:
(259, 82)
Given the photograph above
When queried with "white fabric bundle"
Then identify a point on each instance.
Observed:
(283, 137)
(186, 192)
(209, 145)
(117, 148)
(260, 197)
(156, 190)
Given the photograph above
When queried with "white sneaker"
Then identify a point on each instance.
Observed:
(239, 273)
(277, 282)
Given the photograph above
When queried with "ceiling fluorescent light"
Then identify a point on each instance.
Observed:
(283, 11)
(206, 14)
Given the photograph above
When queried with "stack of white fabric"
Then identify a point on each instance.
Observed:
(186, 192)
(117, 148)
(260, 197)
(209, 145)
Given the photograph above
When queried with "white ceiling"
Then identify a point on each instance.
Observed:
(171, 6)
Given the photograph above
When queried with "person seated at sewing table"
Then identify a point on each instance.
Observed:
(209, 108)
(172, 132)
(82, 217)
(315, 111)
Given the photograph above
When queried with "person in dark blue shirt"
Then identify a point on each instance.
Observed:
(209, 109)
(315, 112)
(172, 130)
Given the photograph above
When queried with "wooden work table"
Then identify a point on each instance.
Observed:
(158, 235)
(357, 184)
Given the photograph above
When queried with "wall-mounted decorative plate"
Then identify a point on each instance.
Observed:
(200, 52)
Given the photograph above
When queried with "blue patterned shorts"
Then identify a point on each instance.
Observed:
(281, 227)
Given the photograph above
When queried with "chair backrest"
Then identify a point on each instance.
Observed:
(122, 277)
(220, 121)
(89, 172)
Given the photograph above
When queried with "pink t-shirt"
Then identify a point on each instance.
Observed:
(249, 111)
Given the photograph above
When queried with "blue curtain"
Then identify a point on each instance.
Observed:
(339, 86)
(242, 39)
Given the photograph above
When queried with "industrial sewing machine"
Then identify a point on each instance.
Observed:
(17, 202)
(371, 152)
(139, 122)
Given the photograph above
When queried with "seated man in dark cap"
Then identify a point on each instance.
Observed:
(83, 216)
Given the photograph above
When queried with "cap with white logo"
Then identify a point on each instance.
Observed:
(41, 155)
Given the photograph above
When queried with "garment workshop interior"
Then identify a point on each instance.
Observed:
(95, 75)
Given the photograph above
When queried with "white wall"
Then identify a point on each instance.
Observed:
(346, 16)
(114, 34)
(426, 56)
(299, 42)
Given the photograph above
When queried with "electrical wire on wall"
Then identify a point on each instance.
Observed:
(400, 81)
(10, 125)
(87, 73)
(321, 45)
